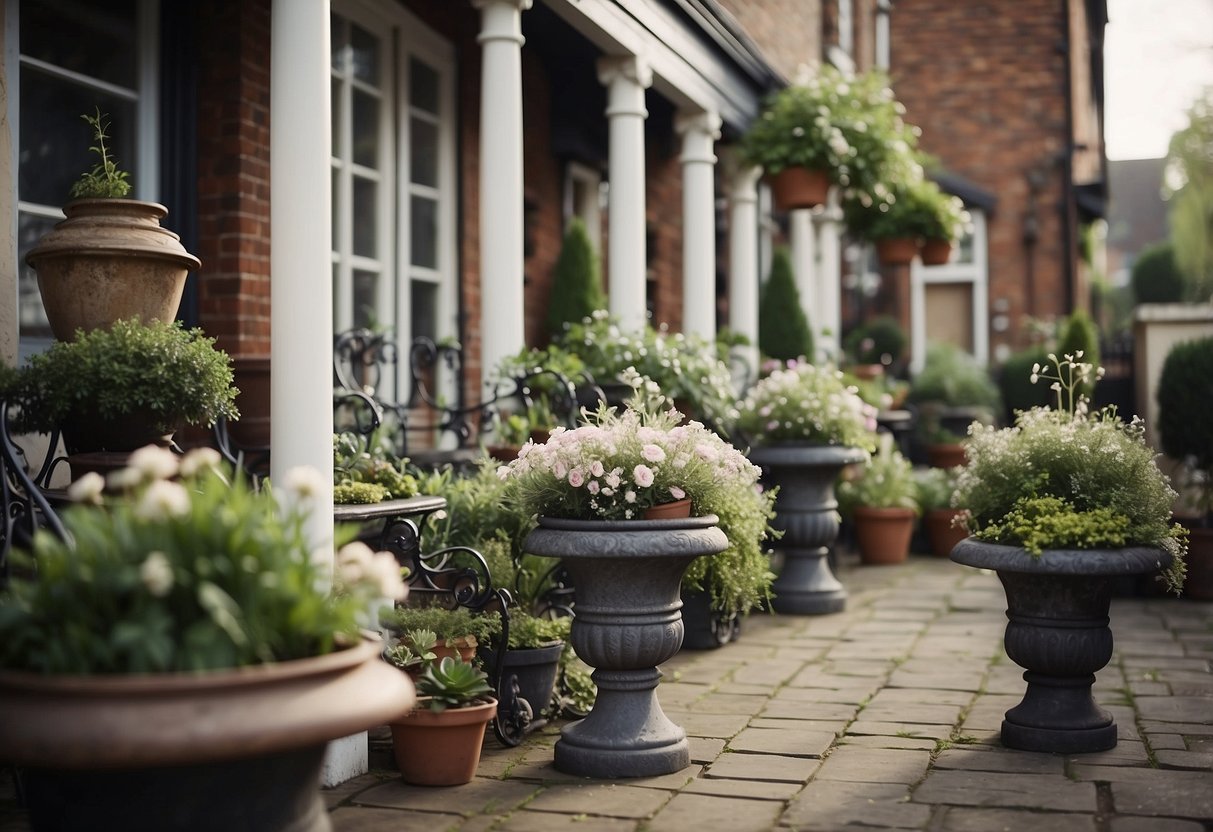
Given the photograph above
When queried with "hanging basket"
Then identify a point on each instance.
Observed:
(935, 252)
(896, 251)
(799, 187)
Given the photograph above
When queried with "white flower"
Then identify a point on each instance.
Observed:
(676, 492)
(199, 460)
(642, 475)
(629, 496)
(153, 462)
(87, 489)
(123, 479)
(163, 499)
(156, 573)
(652, 453)
(304, 481)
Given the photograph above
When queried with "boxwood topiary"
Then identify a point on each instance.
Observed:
(1185, 400)
(576, 284)
(1156, 277)
(783, 328)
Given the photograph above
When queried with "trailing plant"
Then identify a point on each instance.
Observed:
(783, 328)
(913, 208)
(168, 374)
(576, 283)
(1097, 468)
(105, 180)
(807, 403)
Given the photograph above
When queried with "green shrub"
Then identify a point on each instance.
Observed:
(1015, 384)
(953, 377)
(576, 283)
(783, 328)
(446, 625)
(1185, 400)
(875, 340)
(1078, 336)
(887, 481)
(1156, 277)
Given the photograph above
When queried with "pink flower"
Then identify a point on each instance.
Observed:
(576, 478)
(652, 453)
(642, 475)
(596, 469)
(676, 492)
(629, 496)
(592, 486)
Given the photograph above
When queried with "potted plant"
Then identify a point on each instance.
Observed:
(109, 259)
(1060, 504)
(875, 345)
(806, 426)
(944, 219)
(827, 129)
(1184, 402)
(366, 471)
(438, 743)
(895, 218)
(882, 502)
(943, 523)
(950, 392)
(783, 328)
(591, 488)
(181, 661)
(120, 388)
(456, 632)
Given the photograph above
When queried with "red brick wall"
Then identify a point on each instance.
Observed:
(986, 82)
(234, 174)
(789, 31)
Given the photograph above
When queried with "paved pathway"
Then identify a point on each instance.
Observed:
(884, 716)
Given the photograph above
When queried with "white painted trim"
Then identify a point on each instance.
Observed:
(590, 209)
(976, 273)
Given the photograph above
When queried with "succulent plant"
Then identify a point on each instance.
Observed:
(452, 683)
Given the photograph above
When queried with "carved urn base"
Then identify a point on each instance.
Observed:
(1057, 629)
(807, 513)
(628, 620)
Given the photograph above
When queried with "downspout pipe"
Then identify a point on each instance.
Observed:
(1067, 207)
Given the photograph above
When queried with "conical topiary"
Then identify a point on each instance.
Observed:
(783, 328)
(1078, 333)
(576, 285)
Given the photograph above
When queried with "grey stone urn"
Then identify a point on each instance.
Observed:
(628, 621)
(1057, 630)
(807, 513)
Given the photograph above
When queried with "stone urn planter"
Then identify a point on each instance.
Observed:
(1057, 630)
(706, 628)
(228, 749)
(629, 620)
(807, 513)
(109, 259)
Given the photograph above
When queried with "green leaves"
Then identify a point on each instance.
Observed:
(452, 684)
(104, 180)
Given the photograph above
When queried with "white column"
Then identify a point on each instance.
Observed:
(829, 318)
(743, 260)
(699, 132)
(626, 79)
(501, 316)
(301, 315)
(804, 266)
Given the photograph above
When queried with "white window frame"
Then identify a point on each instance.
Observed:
(144, 169)
(404, 36)
(589, 207)
(976, 273)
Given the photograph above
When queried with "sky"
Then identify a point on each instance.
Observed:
(1158, 56)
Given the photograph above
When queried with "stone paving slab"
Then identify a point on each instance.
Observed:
(528, 821)
(831, 806)
(1023, 791)
(854, 764)
(1146, 791)
(362, 819)
(700, 811)
(754, 789)
(960, 819)
(599, 799)
(768, 767)
(790, 742)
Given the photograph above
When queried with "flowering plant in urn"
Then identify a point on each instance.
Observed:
(174, 565)
(803, 402)
(621, 463)
(1068, 478)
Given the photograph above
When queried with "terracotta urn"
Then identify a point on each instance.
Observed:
(797, 187)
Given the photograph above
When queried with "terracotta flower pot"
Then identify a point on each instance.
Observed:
(941, 534)
(946, 454)
(799, 187)
(109, 259)
(669, 511)
(935, 252)
(896, 251)
(441, 748)
(883, 534)
(226, 749)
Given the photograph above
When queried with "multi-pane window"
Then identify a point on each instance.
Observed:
(76, 58)
(393, 174)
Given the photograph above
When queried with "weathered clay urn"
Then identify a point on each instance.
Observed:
(109, 259)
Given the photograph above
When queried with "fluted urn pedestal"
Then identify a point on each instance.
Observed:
(807, 513)
(628, 621)
(1057, 629)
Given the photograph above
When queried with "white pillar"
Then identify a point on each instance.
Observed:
(301, 314)
(501, 316)
(743, 261)
(829, 318)
(699, 132)
(626, 79)
(804, 266)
